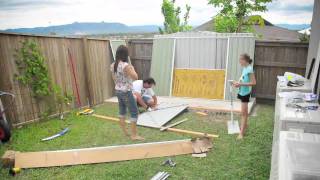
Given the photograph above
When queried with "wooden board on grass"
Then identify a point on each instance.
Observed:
(102, 154)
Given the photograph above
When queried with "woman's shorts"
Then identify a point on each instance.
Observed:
(244, 99)
(127, 101)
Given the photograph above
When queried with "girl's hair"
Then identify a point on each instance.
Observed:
(246, 57)
(121, 55)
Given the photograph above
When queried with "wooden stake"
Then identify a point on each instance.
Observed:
(181, 131)
(202, 113)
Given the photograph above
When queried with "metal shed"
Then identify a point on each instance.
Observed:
(200, 63)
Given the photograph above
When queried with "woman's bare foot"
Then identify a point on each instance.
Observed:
(240, 136)
(137, 138)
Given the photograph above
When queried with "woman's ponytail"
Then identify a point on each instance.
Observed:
(246, 57)
(122, 54)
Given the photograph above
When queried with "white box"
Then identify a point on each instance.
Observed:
(299, 156)
(305, 88)
(290, 119)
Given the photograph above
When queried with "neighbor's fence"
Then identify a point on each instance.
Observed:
(140, 51)
(272, 58)
(91, 59)
(275, 58)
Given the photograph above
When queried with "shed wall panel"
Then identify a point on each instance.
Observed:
(237, 46)
(202, 53)
(114, 44)
(162, 65)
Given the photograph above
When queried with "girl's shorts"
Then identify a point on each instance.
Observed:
(244, 99)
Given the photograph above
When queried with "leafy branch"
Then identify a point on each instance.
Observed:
(172, 22)
(236, 15)
(33, 72)
(32, 69)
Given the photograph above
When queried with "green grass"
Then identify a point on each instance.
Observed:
(229, 159)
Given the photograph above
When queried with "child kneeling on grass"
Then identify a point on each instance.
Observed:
(123, 74)
(247, 80)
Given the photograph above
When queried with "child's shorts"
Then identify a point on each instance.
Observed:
(244, 99)
(147, 99)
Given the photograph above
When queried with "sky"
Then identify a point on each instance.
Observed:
(40, 13)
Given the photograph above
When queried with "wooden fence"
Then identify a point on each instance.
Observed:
(271, 59)
(91, 59)
(140, 51)
(275, 58)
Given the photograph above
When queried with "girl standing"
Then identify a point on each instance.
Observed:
(123, 74)
(247, 80)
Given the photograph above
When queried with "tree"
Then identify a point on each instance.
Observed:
(236, 15)
(172, 22)
(304, 37)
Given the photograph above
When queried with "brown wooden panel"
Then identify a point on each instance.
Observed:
(273, 59)
(140, 51)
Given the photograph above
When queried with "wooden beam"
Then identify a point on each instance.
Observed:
(214, 109)
(193, 133)
(102, 154)
(181, 131)
(174, 124)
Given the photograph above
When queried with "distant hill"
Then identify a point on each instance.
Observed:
(294, 26)
(87, 29)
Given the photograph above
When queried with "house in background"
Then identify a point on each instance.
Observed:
(268, 32)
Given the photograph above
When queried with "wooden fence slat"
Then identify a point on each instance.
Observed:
(140, 51)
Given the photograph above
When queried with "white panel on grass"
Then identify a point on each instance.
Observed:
(158, 118)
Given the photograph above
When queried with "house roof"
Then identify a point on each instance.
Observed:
(268, 32)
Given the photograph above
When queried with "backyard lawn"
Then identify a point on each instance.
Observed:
(229, 159)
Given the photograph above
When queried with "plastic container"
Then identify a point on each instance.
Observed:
(290, 119)
(299, 156)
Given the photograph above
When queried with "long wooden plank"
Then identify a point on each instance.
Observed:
(102, 154)
(181, 131)
(174, 124)
(193, 133)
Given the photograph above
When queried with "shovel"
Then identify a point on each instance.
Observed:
(233, 125)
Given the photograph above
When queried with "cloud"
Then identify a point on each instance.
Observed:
(291, 5)
(25, 4)
(289, 12)
(34, 13)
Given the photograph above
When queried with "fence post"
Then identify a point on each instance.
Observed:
(87, 71)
